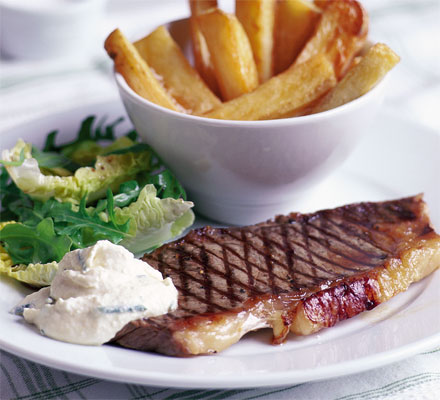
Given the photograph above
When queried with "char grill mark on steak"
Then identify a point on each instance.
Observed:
(266, 261)
(325, 266)
(271, 257)
(305, 237)
(207, 283)
(214, 267)
(359, 236)
(229, 278)
(197, 277)
(333, 238)
(248, 265)
(351, 231)
(246, 271)
(290, 254)
(310, 256)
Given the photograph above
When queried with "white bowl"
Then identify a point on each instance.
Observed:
(242, 172)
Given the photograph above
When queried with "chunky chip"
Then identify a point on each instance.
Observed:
(340, 35)
(286, 95)
(253, 61)
(202, 57)
(371, 68)
(231, 53)
(179, 78)
(136, 71)
(257, 18)
(295, 22)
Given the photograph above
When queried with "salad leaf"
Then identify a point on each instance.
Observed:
(153, 220)
(49, 160)
(10, 195)
(86, 147)
(133, 148)
(53, 228)
(166, 184)
(31, 213)
(14, 163)
(61, 198)
(86, 133)
(85, 153)
(37, 275)
(39, 244)
(109, 171)
(85, 228)
(128, 192)
(157, 174)
(6, 262)
(80, 226)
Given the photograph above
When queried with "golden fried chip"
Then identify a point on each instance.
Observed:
(372, 67)
(295, 22)
(257, 18)
(285, 95)
(136, 72)
(340, 35)
(202, 57)
(231, 53)
(181, 81)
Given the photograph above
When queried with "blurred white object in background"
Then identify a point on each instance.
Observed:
(50, 29)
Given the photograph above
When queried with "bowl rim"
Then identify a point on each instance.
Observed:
(291, 121)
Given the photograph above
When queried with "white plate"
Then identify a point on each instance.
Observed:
(397, 159)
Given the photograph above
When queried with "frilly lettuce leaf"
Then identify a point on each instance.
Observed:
(86, 146)
(33, 274)
(37, 275)
(109, 172)
(86, 152)
(47, 191)
(5, 260)
(153, 220)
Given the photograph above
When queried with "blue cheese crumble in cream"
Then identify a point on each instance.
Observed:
(95, 292)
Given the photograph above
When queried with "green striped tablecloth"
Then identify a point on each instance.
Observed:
(415, 378)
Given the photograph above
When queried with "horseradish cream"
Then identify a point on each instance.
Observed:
(95, 292)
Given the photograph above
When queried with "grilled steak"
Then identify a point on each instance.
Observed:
(298, 273)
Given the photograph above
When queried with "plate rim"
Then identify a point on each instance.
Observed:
(276, 378)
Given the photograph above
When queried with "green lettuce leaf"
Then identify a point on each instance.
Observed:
(50, 229)
(108, 172)
(89, 131)
(87, 145)
(128, 192)
(85, 227)
(11, 197)
(37, 275)
(157, 173)
(46, 193)
(86, 152)
(54, 163)
(26, 244)
(153, 220)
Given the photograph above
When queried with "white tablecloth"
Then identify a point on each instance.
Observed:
(34, 89)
